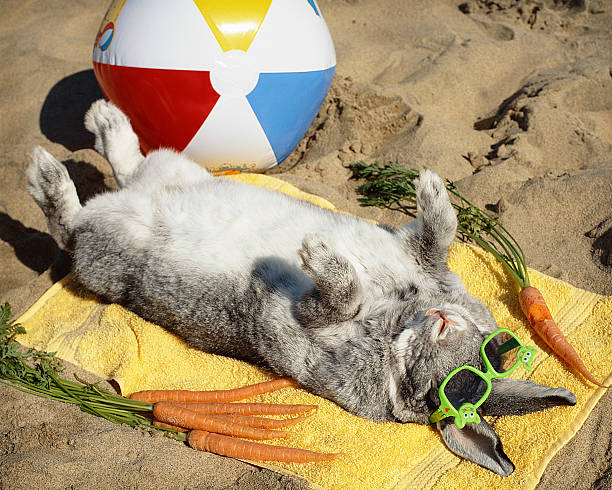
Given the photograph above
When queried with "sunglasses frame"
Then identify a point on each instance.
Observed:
(467, 411)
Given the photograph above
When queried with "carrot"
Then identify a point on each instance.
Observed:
(539, 316)
(246, 408)
(153, 396)
(159, 423)
(491, 235)
(251, 421)
(260, 422)
(237, 448)
(182, 417)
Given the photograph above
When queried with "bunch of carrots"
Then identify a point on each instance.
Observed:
(213, 422)
(207, 420)
(394, 185)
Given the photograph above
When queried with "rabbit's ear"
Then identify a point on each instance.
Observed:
(478, 443)
(517, 397)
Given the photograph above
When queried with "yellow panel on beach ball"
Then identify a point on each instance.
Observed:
(234, 24)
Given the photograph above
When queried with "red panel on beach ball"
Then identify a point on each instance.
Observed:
(166, 107)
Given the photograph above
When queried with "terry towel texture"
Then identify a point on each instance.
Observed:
(114, 343)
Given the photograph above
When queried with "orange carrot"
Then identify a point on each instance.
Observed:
(182, 417)
(246, 408)
(154, 396)
(253, 451)
(159, 423)
(535, 309)
(260, 422)
(251, 421)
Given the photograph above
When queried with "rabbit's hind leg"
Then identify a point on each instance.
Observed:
(117, 142)
(115, 139)
(50, 186)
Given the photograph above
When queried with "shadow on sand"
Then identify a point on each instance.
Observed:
(61, 117)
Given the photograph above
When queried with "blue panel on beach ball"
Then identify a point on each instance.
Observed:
(285, 105)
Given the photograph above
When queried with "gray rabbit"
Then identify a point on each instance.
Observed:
(367, 316)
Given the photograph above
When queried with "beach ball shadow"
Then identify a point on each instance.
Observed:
(62, 113)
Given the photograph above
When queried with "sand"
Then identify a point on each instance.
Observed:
(511, 99)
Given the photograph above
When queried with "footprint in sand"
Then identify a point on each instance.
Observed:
(601, 249)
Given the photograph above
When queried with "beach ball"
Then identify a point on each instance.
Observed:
(232, 84)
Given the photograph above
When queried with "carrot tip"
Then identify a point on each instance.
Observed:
(333, 456)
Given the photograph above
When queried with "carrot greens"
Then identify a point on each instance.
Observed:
(38, 373)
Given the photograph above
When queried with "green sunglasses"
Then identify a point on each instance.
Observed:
(467, 412)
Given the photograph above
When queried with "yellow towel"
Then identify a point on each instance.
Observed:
(114, 343)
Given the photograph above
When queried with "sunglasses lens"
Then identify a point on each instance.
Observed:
(507, 346)
(465, 387)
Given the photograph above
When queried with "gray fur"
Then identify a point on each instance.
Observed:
(336, 303)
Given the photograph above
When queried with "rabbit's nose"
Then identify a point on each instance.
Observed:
(443, 323)
(441, 314)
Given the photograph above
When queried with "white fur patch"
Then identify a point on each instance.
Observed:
(398, 403)
(400, 350)
(403, 344)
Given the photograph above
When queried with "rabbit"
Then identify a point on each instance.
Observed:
(367, 316)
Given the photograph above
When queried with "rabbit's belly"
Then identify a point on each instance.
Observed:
(234, 235)
(237, 229)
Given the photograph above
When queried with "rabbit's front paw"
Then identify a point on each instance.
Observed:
(437, 214)
(316, 255)
(337, 296)
(115, 139)
(430, 190)
(332, 273)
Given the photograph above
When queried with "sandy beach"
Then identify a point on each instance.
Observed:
(511, 99)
